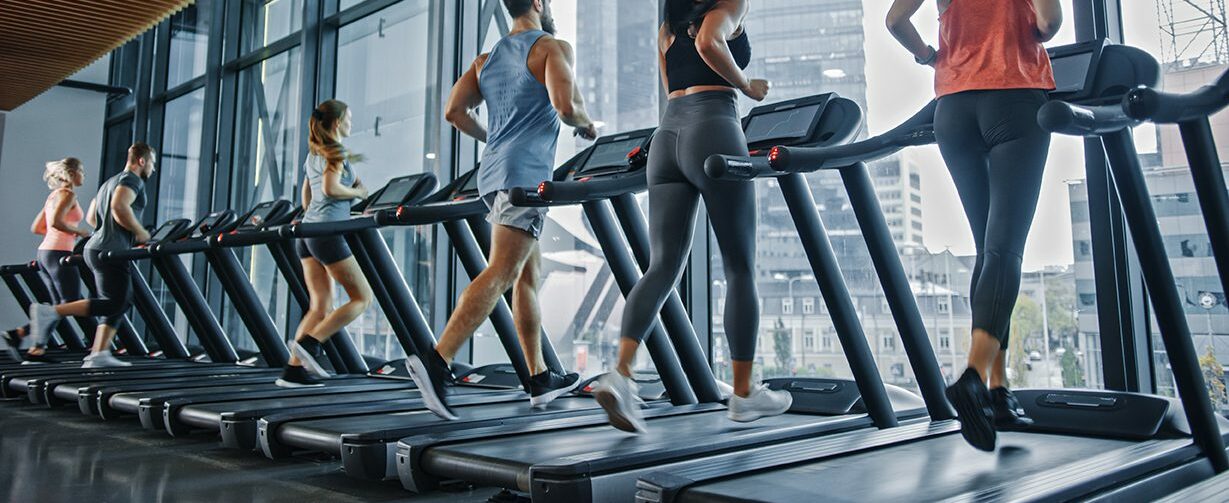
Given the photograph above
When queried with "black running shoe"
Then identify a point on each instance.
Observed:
(432, 378)
(971, 399)
(1008, 414)
(547, 386)
(13, 342)
(298, 377)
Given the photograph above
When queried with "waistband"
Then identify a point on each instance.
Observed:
(708, 105)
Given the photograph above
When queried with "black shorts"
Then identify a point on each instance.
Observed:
(327, 249)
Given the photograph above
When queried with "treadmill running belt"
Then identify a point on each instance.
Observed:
(508, 460)
(928, 470)
(209, 415)
(327, 432)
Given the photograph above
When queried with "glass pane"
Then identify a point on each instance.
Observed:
(179, 180)
(265, 167)
(814, 46)
(189, 43)
(124, 63)
(380, 75)
(1192, 50)
(266, 21)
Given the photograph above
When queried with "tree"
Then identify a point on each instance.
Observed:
(1060, 304)
(1073, 372)
(1025, 323)
(1214, 376)
(782, 344)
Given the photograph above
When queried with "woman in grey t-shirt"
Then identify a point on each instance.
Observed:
(329, 189)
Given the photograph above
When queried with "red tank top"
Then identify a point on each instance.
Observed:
(56, 239)
(990, 44)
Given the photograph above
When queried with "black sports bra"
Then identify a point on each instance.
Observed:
(685, 68)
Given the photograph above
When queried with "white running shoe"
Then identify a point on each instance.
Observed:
(309, 362)
(42, 318)
(103, 360)
(617, 394)
(762, 402)
(725, 389)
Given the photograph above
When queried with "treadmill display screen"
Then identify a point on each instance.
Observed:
(470, 185)
(781, 125)
(394, 193)
(163, 232)
(610, 155)
(1071, 71)
(260, 215)
(208, 223)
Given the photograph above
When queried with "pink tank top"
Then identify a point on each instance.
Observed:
(56, 239)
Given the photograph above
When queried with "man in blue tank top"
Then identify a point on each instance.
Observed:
(528, 85)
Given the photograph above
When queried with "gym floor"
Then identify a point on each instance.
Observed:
(61, 455)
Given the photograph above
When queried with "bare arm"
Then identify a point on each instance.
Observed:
(711, 42)
(901, 26)
(64, 202)
(121, 211)
(91, 216)
(332, 186)
(663, 44)
(1049, 18)
(464, 99)
(561, 86)
(39, 225)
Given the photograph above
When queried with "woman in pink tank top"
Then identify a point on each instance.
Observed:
(59, 222)
(991, 77)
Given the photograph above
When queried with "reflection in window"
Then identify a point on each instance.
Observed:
(380, 75)
(189, 43)
(266, 167)
(179, 181)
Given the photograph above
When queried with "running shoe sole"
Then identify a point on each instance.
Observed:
(309, 362)
(282, 383)
(620, 418)
(546, 398)
(430, 397)
(977, 429)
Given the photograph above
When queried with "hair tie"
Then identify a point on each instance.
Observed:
(317, 114)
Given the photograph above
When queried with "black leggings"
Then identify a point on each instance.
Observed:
(695, 127)
(996, 153)
(63, 282)
(114, 284)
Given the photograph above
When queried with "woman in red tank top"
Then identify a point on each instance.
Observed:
(991, 76)
(59, 222)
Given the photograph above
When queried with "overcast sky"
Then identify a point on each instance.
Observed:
(897, 87)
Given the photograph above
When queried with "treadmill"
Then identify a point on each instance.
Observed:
(1085, 443)
(365, 439)
(34, 381)
(160, 408)
(595, 462)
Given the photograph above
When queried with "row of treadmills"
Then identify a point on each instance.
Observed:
(844, 439)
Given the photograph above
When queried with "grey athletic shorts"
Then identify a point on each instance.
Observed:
(503, 212)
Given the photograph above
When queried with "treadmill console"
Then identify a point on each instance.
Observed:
(1075, 69)
(400, 191)
(214, 223)
(263, 214)
(171, 230)
(611, 155)
(791, 122)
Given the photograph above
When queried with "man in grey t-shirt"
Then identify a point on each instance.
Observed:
(116, 214)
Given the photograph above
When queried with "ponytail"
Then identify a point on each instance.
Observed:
(322, 137)
(61, 172)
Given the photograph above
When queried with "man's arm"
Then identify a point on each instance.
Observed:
(121, 211)
(561, 86)
(900, 24)
(464, 99)
(1049, 18)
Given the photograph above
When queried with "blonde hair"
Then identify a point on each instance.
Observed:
(322, 137)
(61, 172)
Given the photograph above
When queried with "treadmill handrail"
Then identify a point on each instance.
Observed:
(1066, 118)
(251, 238)
(1148, 104)
(433, 213)
(322, 229)
(556, 193)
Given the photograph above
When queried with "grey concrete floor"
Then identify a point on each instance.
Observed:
(60, 455)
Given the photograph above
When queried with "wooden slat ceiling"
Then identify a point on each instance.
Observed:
(45, 41)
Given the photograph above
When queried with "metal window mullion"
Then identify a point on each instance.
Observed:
(445, 43)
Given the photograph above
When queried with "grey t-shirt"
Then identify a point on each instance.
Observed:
(110, 235)
(324, 208)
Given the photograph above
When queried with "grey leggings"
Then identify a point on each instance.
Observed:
(695, 127)
(996, 154)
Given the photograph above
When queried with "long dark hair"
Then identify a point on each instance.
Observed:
(681, 14)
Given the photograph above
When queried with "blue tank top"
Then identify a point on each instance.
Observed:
(323, 208)
(522, 126)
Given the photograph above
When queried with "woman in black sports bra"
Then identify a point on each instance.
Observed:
(702, 51)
